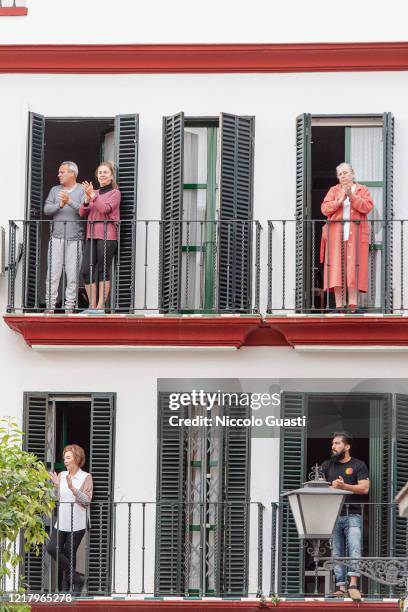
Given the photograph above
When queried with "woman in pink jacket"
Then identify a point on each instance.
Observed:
(346, 206)
(101, 208)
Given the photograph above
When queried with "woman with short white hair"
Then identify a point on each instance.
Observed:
(345, 239)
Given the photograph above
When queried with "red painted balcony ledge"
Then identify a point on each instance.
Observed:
(211, 332)
(13, 11)
(218, 606)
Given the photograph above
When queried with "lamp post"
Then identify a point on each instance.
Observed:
(316, 507)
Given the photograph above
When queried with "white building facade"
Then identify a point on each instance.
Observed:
(226, 138)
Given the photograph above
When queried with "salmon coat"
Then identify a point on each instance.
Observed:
(355, 248)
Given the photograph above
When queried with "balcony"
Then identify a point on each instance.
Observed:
(130, 553)
(214, 285)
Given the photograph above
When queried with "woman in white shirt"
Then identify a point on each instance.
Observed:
(74, 491)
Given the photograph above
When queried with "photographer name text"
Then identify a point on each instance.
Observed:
(229, 421)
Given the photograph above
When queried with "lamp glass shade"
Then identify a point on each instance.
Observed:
(315, 515)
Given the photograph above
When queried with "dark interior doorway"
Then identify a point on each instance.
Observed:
(78, 140)
(327, 415)
(84, 141)
(72, 426)
(328, 151)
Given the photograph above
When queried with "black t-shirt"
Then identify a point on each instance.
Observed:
(351, 471)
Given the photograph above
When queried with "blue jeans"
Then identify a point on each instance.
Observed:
(347, 543)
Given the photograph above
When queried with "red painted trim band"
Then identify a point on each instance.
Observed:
(310, 57)
(214, 606)
(235, 332)
(13, 11)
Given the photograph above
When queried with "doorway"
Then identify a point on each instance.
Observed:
(327, 415)
(86, 142)
(50, 422)
(368, 417)
(323, 142)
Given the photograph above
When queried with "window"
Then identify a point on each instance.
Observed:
(323, 142)
(203, 505)
(50, 422)
(85, 141)
(200, 213)
(207, 203)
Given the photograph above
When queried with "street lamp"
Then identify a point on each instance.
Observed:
(316, 507)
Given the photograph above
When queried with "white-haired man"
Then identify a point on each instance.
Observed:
(66, 236)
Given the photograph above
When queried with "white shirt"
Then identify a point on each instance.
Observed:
(71, 515)
(346, 215)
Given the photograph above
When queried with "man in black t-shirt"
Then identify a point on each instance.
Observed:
(350, 474)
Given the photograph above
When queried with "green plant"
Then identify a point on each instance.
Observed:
(26, 495)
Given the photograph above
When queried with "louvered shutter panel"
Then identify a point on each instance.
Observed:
(101, 467)
(292, 476)
(32, 231)
(172, 212)
(126, 159)
(401, 470)
(235, 528)
(34, 441)
(170, 523)
(303, 194)
(380, 478)
(236, 213)
(388, 173)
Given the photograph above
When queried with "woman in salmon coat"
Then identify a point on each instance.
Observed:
(347, 202)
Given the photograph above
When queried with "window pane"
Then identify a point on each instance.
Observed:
(367, 153)
(195, 155)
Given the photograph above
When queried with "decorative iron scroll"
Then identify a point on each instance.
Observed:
(389, 571)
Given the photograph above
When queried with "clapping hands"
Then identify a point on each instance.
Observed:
(63, 198)
(54, 477)
(89, 190)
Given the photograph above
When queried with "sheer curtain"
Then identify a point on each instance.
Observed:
(194, 209)
(366, 157)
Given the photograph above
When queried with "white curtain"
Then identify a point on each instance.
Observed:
(367, 153)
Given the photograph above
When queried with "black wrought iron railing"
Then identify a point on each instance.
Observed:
(127, 550)
(132, 549)
(382, 565)
(168, 266)
(231, 266)
(337, 266)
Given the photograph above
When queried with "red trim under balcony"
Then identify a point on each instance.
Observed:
(13, 11)
(223, 331)
(123, 330)
(215, 606)
(205, 58)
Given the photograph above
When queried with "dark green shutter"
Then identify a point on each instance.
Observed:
(34, 205)
(401, 470)
(388, 173)
(236, 213)
(235, 529)
(380, 471)
(172, 212)
(169, 566)
(292, 476)
(380, 478)
(303, 212)
(34, 441)
(101, 462)
(126, 158)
